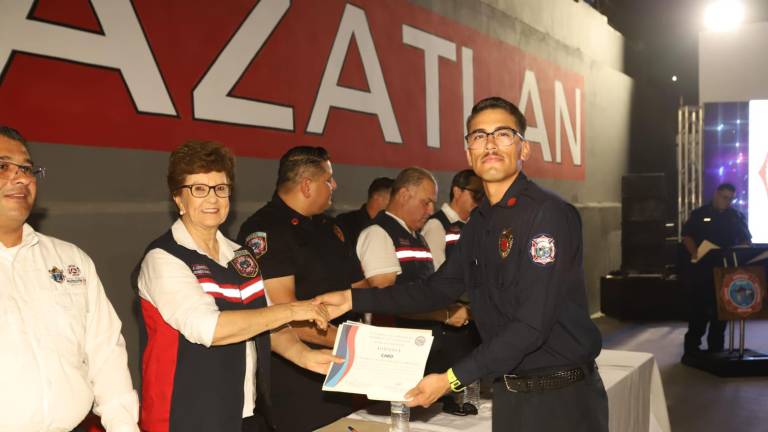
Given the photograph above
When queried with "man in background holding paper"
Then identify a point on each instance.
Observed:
(711, 226)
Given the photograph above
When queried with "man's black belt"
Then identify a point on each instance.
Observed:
(550, 380)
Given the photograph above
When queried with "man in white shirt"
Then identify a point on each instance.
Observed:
(393, 251)
(62, 349)
(443, 229)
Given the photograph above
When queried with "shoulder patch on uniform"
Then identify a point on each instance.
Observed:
(244, 264)
(257, 242)
(543, 249)
(339, 233)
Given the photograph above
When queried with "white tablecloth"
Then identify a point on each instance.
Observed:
(636, 400)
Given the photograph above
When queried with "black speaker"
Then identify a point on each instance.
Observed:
(643, 219)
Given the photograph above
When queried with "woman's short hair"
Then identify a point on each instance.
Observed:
(198, 157)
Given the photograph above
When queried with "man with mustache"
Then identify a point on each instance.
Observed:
(520, 260)
(392, 250)
(62, 347)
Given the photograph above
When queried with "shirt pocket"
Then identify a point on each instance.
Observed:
(511, 265)
(474, 279)
(12, 334)
(68, 309)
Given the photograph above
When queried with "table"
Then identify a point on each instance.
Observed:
(636, 401)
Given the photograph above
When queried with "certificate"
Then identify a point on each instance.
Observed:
(382, 363)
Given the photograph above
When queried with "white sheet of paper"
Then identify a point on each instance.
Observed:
(760, 257)
(703, 249)
(380, 362)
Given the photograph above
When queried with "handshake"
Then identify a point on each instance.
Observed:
(328, 306)
(322, 308)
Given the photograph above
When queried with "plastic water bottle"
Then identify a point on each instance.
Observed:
(472, 394)
(400, 417)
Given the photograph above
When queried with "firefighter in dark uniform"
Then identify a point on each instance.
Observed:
(354, 222)
(392, 250)
(724, 226)
(302, 253)
(520, 259)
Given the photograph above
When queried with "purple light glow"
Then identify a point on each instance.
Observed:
(726, 135)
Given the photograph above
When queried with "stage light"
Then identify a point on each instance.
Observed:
(724, 15)
(674, 78)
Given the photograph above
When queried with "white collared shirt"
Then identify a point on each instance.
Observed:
(61, 342)
(376, 251)
(434, 234)
(169, 285)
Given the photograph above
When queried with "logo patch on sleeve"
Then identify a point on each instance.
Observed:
(543, 249)
(257, 243)
(339, 233)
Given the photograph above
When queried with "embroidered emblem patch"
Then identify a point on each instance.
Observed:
(742, 293)
(244, 264)
(57, 274)
(73, 276)
(543, 249)
(505, 242)
(339, 233)
(73, 270)
(511, 202)
(257, 242)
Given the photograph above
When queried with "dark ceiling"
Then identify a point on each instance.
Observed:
(662, 39)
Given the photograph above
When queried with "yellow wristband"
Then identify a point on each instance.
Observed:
(454, 382)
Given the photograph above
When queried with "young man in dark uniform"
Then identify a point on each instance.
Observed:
(724, 226)
(354, 222)
(520, 259)
(302, 253)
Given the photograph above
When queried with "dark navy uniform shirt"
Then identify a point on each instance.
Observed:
(724, 228)
(520, 261)
(313, 250)
(353, 223)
